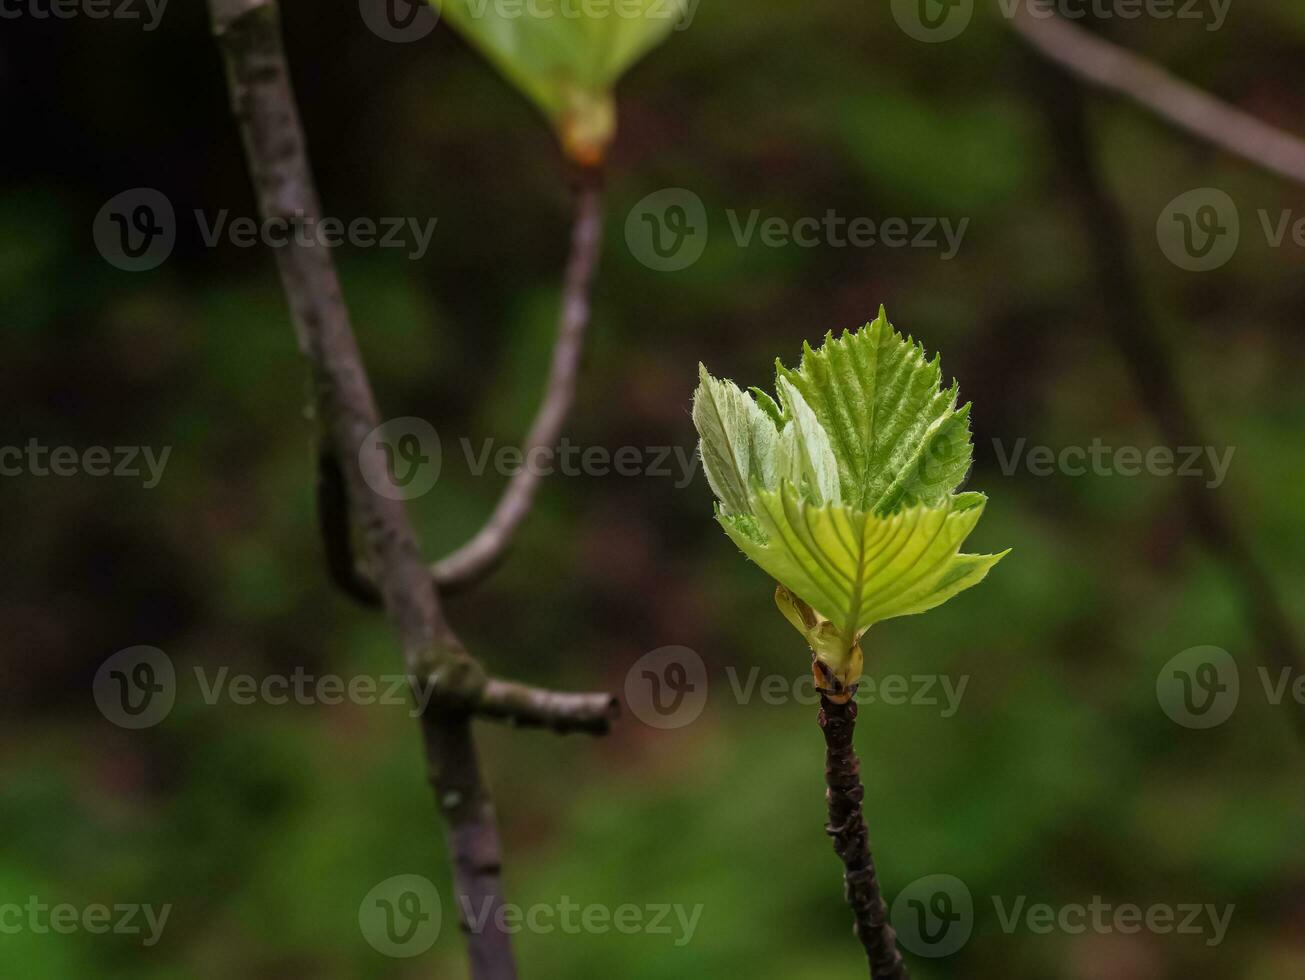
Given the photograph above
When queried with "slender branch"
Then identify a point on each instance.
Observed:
(494, 699)
(249, 34)
(478, 556)
(852, 842)
(1127, 319)
(465, 687)
(454, 769)
(1108, 66)
(520, 705)
(532, 707)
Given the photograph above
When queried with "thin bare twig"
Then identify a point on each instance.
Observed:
(249, 35)
(495, 699)
(479, 555)
(530, 707)
(1126, 318)
(1109, 66)
(852, 842)
(263, 103)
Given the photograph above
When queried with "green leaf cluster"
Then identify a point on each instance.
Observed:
(844, 487)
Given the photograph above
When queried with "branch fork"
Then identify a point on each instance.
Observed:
(397, 577)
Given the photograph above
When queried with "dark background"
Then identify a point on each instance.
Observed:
(1059, 778)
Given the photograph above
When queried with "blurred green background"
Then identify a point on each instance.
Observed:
(1059, 778)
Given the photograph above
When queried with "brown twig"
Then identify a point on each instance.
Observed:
(1126, 318)
(1110, 67)
(249, 34)
(852, 842)
(264, 107)
(530, 707)
(480, 555)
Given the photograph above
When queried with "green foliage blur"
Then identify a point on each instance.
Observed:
(1058, 778)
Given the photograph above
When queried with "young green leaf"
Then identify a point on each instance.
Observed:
(844, 490)
(856, 568)
(746, 445)
(897, 433)
(567, 57)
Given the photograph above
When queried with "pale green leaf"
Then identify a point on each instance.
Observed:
(806, 458)
(856, 568)
(746, 446)
(567, 56)
(739, 442)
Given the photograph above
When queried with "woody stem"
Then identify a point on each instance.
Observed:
(851, 839)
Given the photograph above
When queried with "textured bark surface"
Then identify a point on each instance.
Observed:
(851, 839)
(473, 843)
(262, 100)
